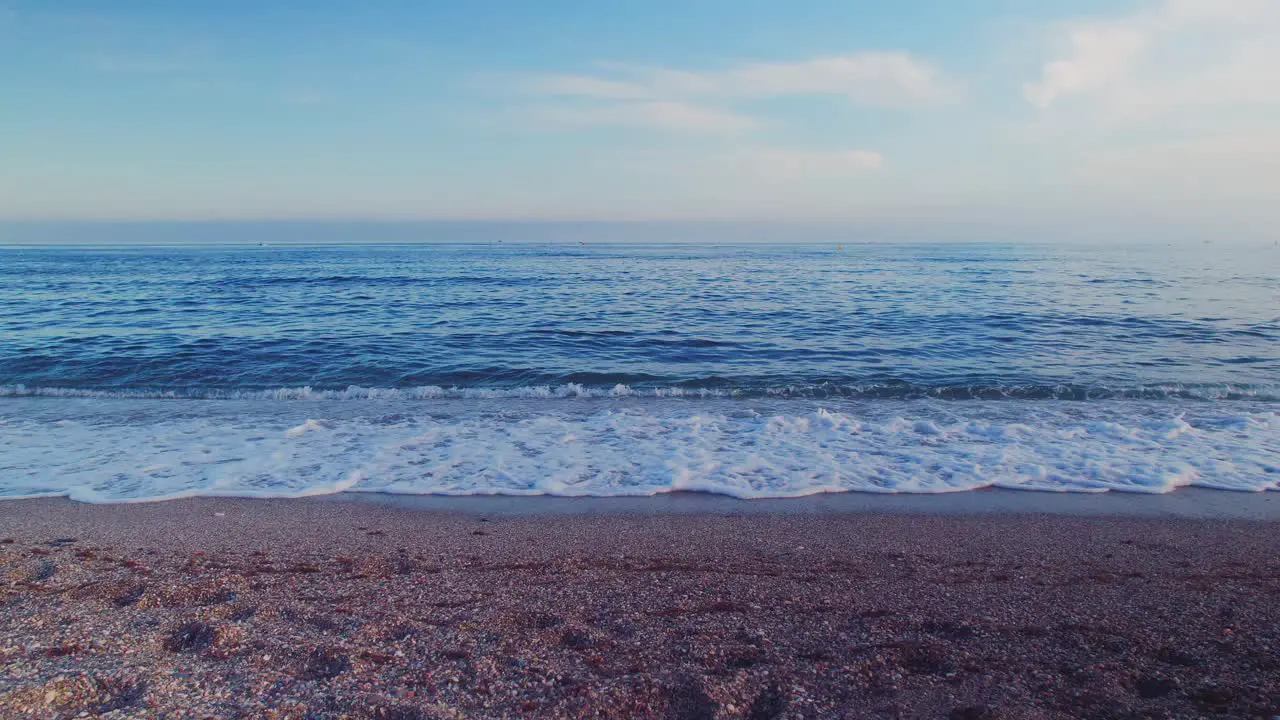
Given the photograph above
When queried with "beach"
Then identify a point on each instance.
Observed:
(640, 360)
(691, 607)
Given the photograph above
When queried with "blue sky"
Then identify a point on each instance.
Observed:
(1009, 113)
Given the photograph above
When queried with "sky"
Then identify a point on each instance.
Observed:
(1006, 116)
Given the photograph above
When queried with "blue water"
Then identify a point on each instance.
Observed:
(755, 371)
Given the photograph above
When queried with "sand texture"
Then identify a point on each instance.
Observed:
(305, 609)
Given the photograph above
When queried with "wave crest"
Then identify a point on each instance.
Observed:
(94, 451)
(851, 391)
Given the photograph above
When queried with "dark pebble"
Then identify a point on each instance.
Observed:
(768, 705)
(398, 712)
(971, 712)
(129, 597)
(120, 695)
(925, 658)
(191, 636)
(689, 701)
(45, 569)
(323, 664)
(576, 639)
(1151, 688)
(1175, 656)
(243, 612)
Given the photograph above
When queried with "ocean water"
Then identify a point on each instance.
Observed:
(755, 371)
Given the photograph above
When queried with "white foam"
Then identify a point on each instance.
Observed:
(622, 391)
(133, 450)
(355, 392)
(306, 427)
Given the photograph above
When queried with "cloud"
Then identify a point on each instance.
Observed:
(1180, 53)
(674, 100)
(586, 86)
(1102, 56)
(1171, 111)
(662, 115)
(886, 79)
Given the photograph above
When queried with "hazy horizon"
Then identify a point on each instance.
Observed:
(638, 232)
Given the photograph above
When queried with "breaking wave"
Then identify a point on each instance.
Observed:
(851, 391)
(136, 450)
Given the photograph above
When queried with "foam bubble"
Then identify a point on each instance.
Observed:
(306, 427)
(573, 390)
(132, 450)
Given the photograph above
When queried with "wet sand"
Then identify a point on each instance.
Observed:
(332, 608)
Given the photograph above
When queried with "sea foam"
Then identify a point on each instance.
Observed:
(573, 390)
(122, 450)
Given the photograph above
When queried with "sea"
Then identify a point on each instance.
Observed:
(139, 373)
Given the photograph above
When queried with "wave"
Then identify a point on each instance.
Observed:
(572, 390)
(105, 452)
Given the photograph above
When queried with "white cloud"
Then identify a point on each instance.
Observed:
(1199, 11)
(657, 115)
(676, 100)
(1101, 56)
(1169, 112)
(725, 174)
(889, 79)
(587, 86)
(1180, 53)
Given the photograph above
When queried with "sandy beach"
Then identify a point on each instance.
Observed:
(324, 609)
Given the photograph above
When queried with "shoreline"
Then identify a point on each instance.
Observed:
(1190, 502)
(339, 607)
(1187, 502)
